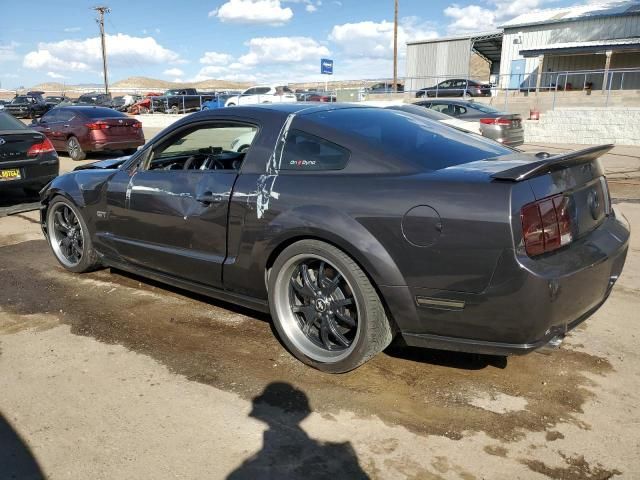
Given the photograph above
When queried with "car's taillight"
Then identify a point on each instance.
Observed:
(546, 225)
(496, 121)
(43, 147)
(97, 126)
(137, 125)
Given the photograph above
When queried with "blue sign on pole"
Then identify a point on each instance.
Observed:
(326, 66)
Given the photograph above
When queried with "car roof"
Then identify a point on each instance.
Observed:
(86, 108)
(453, 102)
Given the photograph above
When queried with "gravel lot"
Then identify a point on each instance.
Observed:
(106, 375)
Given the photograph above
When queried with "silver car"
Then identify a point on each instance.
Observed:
(502, 127)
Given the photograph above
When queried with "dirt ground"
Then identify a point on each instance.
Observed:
(106, 375)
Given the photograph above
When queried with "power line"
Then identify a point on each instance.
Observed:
(100, 20)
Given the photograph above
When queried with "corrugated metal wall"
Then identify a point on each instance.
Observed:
(578, 31)
(426, 62)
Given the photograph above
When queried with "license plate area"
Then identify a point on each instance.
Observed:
(10, 174)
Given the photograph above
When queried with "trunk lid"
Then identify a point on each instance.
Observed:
(118, 127)
(576, 176)
(15, 144)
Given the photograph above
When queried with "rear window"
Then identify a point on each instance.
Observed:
(415, 139)
(102, 113)
(484, 108)
(303, 151)
(7, 122)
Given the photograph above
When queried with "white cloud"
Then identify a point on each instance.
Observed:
(85, 55)
(56, 75)
(474, 18)
(173, 72)
(310, 8)
(282, 50)
(215, 58)
(8, 51)
(268, 12)
(375, 39)
(267, 59)
(470, 18)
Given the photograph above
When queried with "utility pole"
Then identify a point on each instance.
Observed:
(100, 20)
(395, 48)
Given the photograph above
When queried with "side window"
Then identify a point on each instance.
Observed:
(211, 147)
(65, 116)
(251, 91)
(51, 116)
(303, 151)
(458, 110)
(445, 84)
(438, 107)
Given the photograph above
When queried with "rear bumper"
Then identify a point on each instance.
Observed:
(113, 144)
(528, 302)
(511, 137)
(34, 172)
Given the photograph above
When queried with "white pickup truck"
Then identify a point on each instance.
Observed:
(263, 94)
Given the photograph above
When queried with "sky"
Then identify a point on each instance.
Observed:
(256, 41)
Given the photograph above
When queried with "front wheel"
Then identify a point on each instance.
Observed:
(69, 237)
(325, 308)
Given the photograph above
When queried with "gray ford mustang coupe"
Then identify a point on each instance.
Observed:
(352, 225)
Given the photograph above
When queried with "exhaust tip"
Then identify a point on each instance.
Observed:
(552, 345)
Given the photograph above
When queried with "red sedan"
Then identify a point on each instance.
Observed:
(81, 129)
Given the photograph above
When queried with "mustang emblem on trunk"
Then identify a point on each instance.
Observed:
(2, 141)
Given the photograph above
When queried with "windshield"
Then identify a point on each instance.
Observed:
(102, 113)
(7, 122)
(416, 139)
(19, 100)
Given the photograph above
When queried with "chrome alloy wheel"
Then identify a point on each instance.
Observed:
(317, 308)
(65, 234)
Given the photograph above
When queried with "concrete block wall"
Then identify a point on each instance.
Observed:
(586, 126)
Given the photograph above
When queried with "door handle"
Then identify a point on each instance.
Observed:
(207, 198)
(66, 126)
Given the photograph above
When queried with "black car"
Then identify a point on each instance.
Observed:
(55, 100)
(30, 105)
(351, 225)
(457, 87)
(27, 158)
(385, 87)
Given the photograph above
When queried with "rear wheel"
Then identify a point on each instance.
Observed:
(175, 109)
(74, 149)
(69, 237)
(325, 309)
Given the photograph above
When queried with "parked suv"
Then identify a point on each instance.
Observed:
(80, 129)
(31, 105)
(98, 99)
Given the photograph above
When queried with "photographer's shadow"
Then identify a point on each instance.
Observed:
(287, 451)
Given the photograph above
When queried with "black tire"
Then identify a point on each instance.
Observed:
(231, 105)
(89, 260)
(244, 149)
(74, 149)
(174, 110)
(129, 151)
(374, 332)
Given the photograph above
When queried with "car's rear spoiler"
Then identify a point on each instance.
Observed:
(551, 163)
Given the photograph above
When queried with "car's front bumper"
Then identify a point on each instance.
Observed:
(528, 302)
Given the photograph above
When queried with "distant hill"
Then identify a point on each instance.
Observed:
(139, 84)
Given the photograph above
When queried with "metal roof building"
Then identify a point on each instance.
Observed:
(588, 47)
(429, 61)
(549, 47)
